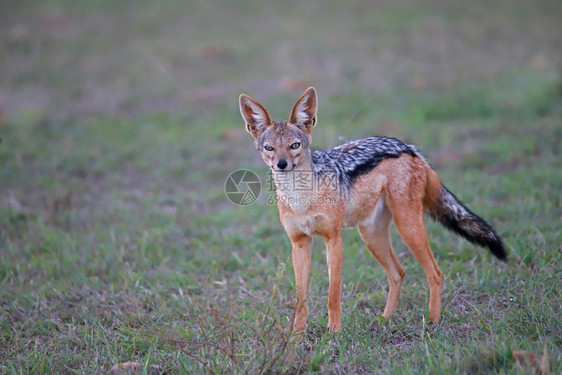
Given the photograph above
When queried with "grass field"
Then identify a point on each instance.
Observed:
(119, 125)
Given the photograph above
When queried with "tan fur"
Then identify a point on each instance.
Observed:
(398, 188)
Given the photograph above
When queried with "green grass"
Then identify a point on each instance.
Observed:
(120, 126)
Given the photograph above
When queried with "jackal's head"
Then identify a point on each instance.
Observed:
(283, 145)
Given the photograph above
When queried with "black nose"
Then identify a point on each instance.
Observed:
(282, 164)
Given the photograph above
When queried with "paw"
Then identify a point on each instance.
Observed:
(435, 318)
(334, 325)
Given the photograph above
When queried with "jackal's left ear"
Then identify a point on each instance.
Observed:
(304, 111)
(255, 115)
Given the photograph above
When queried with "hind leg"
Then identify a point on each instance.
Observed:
(376, 236)
(410, 225)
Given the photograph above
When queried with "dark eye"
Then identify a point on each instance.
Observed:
(295, 145)
(268, 148)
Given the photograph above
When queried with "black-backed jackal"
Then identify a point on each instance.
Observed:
(364, 184)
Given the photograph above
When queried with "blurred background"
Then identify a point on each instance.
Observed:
(119, 124)
(67, 59)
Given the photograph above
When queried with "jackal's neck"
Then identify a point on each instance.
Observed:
(306, 163)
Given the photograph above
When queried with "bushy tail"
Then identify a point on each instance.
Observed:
(447, 209)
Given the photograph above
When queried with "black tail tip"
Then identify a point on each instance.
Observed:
(497, 248)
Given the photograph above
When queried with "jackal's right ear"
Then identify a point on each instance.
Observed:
(255, 115)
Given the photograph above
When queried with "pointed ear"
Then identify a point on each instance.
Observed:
(304, 111)
(255, 115)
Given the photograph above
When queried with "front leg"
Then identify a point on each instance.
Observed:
(334, 257)
(302, 246)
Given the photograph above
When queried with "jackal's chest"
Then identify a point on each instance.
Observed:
(296, 190)
(307, 204)
(311, 225)
(300, 212)
(298, 202)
